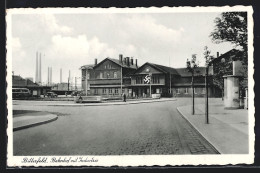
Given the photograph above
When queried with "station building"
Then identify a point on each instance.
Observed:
(113, 77)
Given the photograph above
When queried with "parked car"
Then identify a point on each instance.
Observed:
(51, 94)
(76, 93)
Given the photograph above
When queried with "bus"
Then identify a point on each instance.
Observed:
(21, 92)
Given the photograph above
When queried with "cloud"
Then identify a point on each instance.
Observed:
(70, 41)
(17, 47)
(50, 23)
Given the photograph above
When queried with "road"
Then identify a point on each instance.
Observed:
(147, 128)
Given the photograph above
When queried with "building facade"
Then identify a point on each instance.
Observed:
(113, 77)
(35, 89)
(109, 78)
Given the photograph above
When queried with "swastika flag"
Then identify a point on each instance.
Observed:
(147, 79)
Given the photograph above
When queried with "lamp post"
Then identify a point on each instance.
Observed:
(208, 60)
(206, 96)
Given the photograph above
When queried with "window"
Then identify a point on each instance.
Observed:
(195, 91)
(155, 79)
(110, 90)
(139, 80)
(178, 91)
(101, 75)
(186, 90)
(116, 91)
(95, 91)
(108, 75)
(203, 91)
(88, 76)
(105, 66)
(104, 90)
(115, 74)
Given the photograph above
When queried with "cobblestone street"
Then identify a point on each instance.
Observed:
(148, 129)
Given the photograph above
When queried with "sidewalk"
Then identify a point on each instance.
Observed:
(27, 120)
(113, 103)
(227, 130)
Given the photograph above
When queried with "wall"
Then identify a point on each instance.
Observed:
(199, 92)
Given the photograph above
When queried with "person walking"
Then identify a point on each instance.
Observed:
(124, 97)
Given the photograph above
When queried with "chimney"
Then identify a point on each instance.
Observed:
(124, 61)
(127, 61)
(120, 58)
(36, 75)
(95, 61)
(136, 62)
(40, 69)
(132, 61)
(217, 54)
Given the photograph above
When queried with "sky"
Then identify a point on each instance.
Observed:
(69, 41)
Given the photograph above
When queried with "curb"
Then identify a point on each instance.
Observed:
(209, 141)
(105, 104)
(35, 124)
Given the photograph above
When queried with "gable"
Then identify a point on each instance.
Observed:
(147, 68)
(106, 64)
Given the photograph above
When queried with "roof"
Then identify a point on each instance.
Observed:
(164, 68)
(116, 61)
(233, 54)
(18, 81)
(89, 66)
(199, 71)
(161, 68)
(120, 64)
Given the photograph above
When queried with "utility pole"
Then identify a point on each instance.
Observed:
(121, 81)
(150, 84)
(170, 77)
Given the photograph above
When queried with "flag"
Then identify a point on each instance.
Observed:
(147, 79)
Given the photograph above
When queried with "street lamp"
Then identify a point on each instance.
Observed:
(207, 96)
(208, 60)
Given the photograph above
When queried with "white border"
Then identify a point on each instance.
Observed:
(138, 160)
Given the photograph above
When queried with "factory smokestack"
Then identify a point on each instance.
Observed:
(40, 69)
(48, 76)
(51, 75)
(61, 75)
(36, 75)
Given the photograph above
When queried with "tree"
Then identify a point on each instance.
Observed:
(191, 67)
(232, 27)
